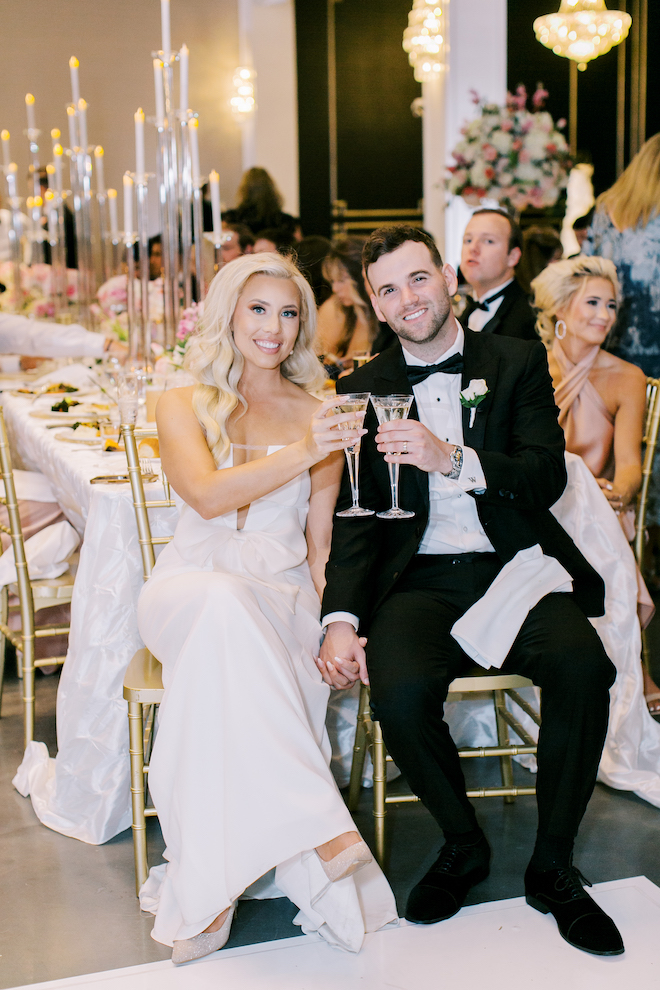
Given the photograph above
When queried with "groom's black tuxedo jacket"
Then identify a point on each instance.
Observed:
(521, 448)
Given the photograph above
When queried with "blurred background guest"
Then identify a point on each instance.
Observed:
(274, 239)
(626, 228)
(492, 247)
(260, 205)
(541, 247)
(237, 240)
(311, 253)
(581, 227)
(347, 325)
(155, 257)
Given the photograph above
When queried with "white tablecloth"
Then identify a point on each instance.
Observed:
(84, 792)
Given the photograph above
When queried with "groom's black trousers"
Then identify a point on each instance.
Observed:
(412, 659)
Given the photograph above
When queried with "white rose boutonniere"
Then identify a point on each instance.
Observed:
(471, 396)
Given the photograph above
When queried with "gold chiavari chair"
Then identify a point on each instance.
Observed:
(32, 596)
(143, 685)
(368, 735)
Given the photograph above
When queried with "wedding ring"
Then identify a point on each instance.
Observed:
(405, 447)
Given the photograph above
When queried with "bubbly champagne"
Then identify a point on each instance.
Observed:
(386, 414)
(354, 406)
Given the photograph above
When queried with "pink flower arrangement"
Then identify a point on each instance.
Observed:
(36, 289)
(515, 156)
(188, 326)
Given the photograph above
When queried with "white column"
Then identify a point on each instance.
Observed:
(267, 38)
(476, 60)
(434, 155)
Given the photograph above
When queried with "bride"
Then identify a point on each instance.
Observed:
(239, 773)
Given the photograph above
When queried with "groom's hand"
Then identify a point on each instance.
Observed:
(343, 661)
(422, 448)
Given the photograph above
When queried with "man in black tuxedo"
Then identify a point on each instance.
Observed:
(492, 245)
(481, 488)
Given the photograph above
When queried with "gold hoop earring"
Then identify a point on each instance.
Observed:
(558, 324)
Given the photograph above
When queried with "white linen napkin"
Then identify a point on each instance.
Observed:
(487, 630)
(47, 553)
(32, 486)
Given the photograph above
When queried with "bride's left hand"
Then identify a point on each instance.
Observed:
(340, 673)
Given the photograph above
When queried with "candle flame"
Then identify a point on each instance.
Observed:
(5, 135)
(29, 202)
(38, 201)
(98, 151)
(82, 105)
(55, 133)
(184, 49)
(49, 194)
(214, 176)
(13, 167)
(158, 64)
(193, 122)
(29, 99)
(71, 110)
(139, 115)
(58, 150)
(73, 62)
(112, 193)
(50, 168)
(127, 181)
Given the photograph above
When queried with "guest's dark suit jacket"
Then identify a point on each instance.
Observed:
(521, 448)
(514, 317)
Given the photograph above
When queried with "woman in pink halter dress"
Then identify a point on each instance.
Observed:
(601, 398)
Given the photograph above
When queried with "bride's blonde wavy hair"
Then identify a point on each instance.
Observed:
(557, 284)
(217, 364)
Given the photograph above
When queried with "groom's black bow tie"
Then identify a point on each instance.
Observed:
(419, 373)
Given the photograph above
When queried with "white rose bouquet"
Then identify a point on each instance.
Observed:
(511, 154)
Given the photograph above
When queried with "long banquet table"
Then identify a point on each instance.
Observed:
(85, 792)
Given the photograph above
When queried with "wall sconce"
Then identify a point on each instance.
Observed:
(243, 103)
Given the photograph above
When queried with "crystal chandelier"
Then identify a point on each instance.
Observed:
(423, 40)
(582, 30)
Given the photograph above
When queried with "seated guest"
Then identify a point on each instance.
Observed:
(311, 252)
(581, 227)
(274, 239)
(260, 205)
(347, 324)
(239, 772)
(541, 247)
(38, 338)
(237, 240)
(480, 487)
(492, 247)
(155, 257)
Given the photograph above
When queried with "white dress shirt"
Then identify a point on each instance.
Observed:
(453, 526)
(480, 317)
(38, 338)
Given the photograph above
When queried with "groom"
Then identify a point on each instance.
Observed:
(481, 486)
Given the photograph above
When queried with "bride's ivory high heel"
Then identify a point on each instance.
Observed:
(347, 862)
(201, 945)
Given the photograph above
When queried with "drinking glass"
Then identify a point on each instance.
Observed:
(388, 408)
(353, 402)
(128, 396)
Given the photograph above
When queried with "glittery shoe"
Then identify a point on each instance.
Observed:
(194, 948)
(347, 862)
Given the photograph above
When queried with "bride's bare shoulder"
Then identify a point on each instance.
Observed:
(176, 398)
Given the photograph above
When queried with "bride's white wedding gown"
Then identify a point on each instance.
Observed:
(239, 773)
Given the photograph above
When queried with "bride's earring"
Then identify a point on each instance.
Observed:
(560, 329)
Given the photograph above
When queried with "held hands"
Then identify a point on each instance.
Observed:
(328, 431)
(619, 500)
(409, 442)
(343, 661)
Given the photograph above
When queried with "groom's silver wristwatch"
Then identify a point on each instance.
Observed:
(456, 458)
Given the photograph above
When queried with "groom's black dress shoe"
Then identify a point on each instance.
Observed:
(579, 919)
(442, 891)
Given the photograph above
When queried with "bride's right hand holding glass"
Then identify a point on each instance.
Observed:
(328, 430)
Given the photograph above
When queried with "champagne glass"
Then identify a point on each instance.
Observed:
(353, 402)
(388, 408)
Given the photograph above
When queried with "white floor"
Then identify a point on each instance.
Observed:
(496, 945)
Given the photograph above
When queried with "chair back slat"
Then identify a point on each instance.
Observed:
(147, 541)
(651, 430)
(16, 532)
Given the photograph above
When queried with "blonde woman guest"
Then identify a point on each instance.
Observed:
(239, 773)
(601, 398)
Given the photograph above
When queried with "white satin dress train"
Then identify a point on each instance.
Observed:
(240, 769)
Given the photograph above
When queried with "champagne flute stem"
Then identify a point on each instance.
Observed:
(352, 461)
(394, 484)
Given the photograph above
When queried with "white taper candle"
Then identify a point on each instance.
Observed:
(183, 78)
(128, 206)
(193, 125)
(73, 130)
(139, 146)
(165, 28)
(6, 156)
(160, 93)
(58, 151)
(11, 179)
(214, 183)
(29, 106)
(82, 123)
(112, 206)
(98, 162)
(75, 82)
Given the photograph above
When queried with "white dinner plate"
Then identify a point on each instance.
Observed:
(75, 414)
(67, 435)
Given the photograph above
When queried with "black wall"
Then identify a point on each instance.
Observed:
(379, 142)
